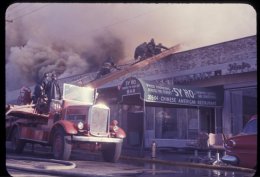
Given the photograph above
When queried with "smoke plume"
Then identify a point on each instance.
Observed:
(29, 62)
(75, 38)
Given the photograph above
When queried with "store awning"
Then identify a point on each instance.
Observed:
(135, 91)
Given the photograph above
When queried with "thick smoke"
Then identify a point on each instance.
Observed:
(76, 38)
(29, 62)
(105, 47)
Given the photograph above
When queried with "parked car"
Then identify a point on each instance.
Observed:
(241, 150)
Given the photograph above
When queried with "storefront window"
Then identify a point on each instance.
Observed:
(176, 123)
(193, 123)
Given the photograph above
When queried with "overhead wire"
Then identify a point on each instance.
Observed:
(28, 13)
(13, 7)
(125, 20)
(93, 30)
(17, 10)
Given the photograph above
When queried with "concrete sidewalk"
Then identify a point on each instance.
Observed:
(181, 157)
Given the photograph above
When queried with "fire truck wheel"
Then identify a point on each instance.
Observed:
(61, 148)
(16, 143)
(111, 151)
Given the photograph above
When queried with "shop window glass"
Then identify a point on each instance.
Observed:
(176, 123)
(193, 124)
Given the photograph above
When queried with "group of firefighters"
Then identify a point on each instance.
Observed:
(45, 91)
(143, 51)
(149, 49)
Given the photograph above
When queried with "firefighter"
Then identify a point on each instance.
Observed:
(53, 89)
(40, 99)
(159, 47)
(38, 92)
(45, 80)
(140, 51)
(106, 68)
(25, 96)
(151, 48)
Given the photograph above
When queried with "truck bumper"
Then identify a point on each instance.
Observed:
(229, 159)
(93, 139)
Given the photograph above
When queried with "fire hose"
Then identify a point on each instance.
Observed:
(66, 164)
(10, 109)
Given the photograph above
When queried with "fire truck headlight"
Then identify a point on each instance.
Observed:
(80, 125)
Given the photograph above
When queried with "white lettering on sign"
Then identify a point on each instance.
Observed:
(177, 92)
(168, 99)
(127, 83)
(152, 97)
(188, 93)
(133, 82)
(183, 93)
(186, 101)
(152, 90)
(130, 91)
(150, 86)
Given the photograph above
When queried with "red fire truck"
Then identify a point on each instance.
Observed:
(76, 121)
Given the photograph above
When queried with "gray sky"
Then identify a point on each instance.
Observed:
(76, 37)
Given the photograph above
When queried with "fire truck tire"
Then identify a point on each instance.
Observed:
(61, 148)
(111, 151)
(17, 143)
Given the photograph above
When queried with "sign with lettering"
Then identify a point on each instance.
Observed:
(131, 86)
(180, 95)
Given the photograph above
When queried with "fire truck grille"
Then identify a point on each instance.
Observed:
(99, 122)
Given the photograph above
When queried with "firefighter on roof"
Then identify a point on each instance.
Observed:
(151, 47)
(159, 47)
(146, 50)
(106, 68)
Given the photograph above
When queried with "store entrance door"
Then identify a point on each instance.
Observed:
(207, 120)
(135, 124)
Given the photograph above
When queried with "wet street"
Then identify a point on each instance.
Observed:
(91, 164)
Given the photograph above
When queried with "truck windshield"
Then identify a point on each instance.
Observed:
(80, 94)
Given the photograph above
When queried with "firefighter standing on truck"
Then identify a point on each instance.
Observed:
(53, 89)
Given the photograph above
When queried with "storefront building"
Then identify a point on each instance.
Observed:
(167, 114)
(228, 70)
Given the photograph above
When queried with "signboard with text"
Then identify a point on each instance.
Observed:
(150, 91)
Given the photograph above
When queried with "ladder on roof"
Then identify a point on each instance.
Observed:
(133, 67)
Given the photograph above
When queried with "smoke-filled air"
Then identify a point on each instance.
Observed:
(76, 38)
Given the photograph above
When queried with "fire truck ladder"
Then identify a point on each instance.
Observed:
(133, 67)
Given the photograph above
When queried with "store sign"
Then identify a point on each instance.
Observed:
(131, 86)
(180, 95)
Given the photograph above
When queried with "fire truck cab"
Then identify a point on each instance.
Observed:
(76, 121)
